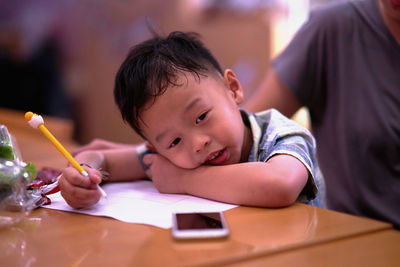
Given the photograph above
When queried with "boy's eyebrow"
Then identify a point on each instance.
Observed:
(161, 136)
(192, 104)
(186, 110)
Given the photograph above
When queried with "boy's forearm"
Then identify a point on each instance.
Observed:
(252, 183)
(122, 164)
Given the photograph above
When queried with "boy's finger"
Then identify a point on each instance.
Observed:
(148, 159)
(74, 178)
(80, 197)
(94, 175)
(68, 188)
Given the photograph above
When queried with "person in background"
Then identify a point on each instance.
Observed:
(173, 93)
(31, 59)
(344, 66)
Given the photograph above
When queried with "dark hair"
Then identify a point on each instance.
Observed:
(153, 65)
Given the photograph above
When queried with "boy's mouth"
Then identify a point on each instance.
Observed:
(217, 158)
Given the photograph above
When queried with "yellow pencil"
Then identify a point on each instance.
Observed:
(36, 121)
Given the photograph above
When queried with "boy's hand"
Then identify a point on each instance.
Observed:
(165, 175)
(80, 191)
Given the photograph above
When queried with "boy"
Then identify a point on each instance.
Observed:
(175, 95)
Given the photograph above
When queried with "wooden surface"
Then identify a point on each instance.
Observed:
(299, 235)
(380, 248)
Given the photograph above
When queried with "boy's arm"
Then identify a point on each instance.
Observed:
(121, 164)
(275, 183)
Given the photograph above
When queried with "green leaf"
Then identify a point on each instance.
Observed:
(31, 168)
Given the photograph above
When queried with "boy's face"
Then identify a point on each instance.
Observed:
(199, 122)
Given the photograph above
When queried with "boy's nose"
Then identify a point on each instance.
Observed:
(200, 142)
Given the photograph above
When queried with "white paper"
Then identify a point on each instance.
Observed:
(140, 202)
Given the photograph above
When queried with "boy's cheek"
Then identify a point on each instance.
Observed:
(178, 159)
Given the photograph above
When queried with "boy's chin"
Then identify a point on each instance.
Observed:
(187, 166)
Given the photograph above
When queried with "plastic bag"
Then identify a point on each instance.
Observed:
(15, 176)
(15, 200)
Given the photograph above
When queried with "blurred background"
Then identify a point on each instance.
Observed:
(60, 57)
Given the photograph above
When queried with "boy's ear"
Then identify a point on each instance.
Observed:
(233, 85)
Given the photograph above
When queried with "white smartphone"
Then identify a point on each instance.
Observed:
(199, 225)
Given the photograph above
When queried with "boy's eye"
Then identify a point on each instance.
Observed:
(201, 117)
(175, 142)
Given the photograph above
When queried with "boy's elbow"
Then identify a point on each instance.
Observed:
(290, 188)
(287, 196)
(286, 178)
(284, 193)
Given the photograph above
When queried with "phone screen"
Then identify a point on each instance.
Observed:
(210, 220)
(199, 225)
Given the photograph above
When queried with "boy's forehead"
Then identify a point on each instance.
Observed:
(185, 77)
(185, 80)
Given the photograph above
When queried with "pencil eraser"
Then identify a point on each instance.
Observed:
(34, 119)
(28, 116)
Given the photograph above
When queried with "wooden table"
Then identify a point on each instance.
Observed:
(299, 235)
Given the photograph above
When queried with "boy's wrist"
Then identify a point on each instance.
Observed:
(187, 177)
(142, 150)
(94, 159)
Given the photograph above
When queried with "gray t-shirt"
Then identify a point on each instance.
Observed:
(275, 134)
(344, 65)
